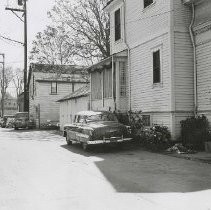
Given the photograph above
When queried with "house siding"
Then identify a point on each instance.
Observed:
(165, 25)
(144, 95)
(203, 49)
(43, 105)
(70, 107)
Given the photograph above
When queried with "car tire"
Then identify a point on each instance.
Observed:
(69, 142)
(85, 146)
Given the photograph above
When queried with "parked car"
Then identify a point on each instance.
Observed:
(1, 121)
(95, 128)
(10, 122)
(5, 119)
(22, 121)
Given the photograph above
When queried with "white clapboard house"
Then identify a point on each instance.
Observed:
(152, 67)
(48, 84)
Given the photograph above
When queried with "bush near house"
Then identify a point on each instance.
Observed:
(194, 132)
(132, 119)
(156, 138)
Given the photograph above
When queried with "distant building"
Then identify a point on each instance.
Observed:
(10, 105)
(73, 103)
(48, 84)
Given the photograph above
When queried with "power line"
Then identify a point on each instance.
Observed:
(12, 40)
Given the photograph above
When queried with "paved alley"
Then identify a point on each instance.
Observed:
(39, 171)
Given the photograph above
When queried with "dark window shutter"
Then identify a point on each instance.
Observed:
(156, 66)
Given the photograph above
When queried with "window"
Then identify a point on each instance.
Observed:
(107, 83)
(156, 67)
(53, 87)
(96, 85)
(117, 25)
(146, 120)
(122, 76)
(147, 3)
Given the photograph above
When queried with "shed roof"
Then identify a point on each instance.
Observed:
(83, 91)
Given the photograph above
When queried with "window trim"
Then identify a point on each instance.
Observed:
(56, 92)
(120, 25)
(153, 50)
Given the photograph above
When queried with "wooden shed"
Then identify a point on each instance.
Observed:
(73, 103)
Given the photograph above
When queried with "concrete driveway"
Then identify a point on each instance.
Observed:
(39, 171)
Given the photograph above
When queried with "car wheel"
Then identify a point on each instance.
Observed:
(85, 146)
(69, 142)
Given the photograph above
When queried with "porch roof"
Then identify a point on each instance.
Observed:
(104, 64)
(83, 91)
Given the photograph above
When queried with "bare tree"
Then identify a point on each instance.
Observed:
(8, 75)
(18, 80)
(89, 25)
(52, 46)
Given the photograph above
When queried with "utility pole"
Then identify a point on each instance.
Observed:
(25, 58)
(2, 88)
(24, 11)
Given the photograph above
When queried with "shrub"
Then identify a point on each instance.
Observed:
(156, 138)
(132, 119)
(195, 131)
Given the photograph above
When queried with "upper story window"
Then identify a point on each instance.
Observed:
(117, 22)
(156, 67)
(147, 3)
(53, 87)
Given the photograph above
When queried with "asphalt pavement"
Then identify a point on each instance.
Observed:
(38, 171)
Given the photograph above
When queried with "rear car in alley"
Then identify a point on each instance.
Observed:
(22, 121)
(96, 128)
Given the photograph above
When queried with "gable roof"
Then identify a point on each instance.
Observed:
(75, 73)
(83, 91)
(63, 69)
(69, 79)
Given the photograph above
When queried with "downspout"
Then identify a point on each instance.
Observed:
(128, 49)
(194, 60)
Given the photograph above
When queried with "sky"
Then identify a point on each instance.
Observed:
(12, 27)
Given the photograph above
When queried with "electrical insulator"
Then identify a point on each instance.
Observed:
(20, 2)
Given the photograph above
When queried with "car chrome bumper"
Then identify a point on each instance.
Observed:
(109, 141)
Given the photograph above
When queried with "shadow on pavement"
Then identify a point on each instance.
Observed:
(131, 169)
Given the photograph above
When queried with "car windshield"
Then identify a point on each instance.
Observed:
(21, 115)
(101, 117)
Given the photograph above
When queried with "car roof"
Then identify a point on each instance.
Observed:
(9, 115)
(91, 113)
